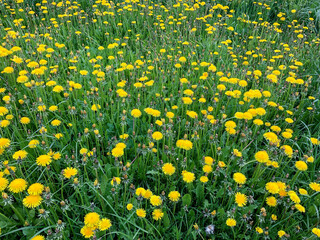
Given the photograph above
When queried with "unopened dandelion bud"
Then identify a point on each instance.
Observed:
(47, 189)
(76, 181)
(96, 182)
(5, 195)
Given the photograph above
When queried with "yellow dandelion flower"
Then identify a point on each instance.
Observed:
(18, 185)
(32, 201)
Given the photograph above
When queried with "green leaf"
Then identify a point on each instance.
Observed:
(200, 195)
(220, 192)
(186, 199)
(166, 220)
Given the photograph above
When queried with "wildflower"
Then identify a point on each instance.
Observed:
(240, 199)
(117, 152)
(157, 214)
(314, 141)
(184, 144)
(316, 231)
(188, 177)
(147, 194)
(18, 185)
(281, 233)
(3, 111)
(271, 201)
(174, 196)
(300, 208)
(221, 164)
(294, 197)
(38, 237)
(21, 154)
(136, 113)
(204, 179)
(272, 187)
(35, 189)
(104, 224)
(302, 166)
(155, 200)
(3, 183)
(69, 172)
(168, 169)
(231, 222)
(55, 122)
(32, 201)
(262, 156)
(4, 143)
(230, 124)
(141, 213)
(44, 160)
(259, 230)
(208, 160)
(239, 178)
(129, 206)
(92, 219)
(25, 120)
(157, 136)
(303, 191)
(33, 143)
(87, 232)
(95, 107)
(207, 168)
(272, 138)
(121, 145)
(315, 186)
(140, 192)
(115, 180)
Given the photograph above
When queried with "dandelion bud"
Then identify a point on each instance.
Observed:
(76, 181)
(4, 195)
(95, 182)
